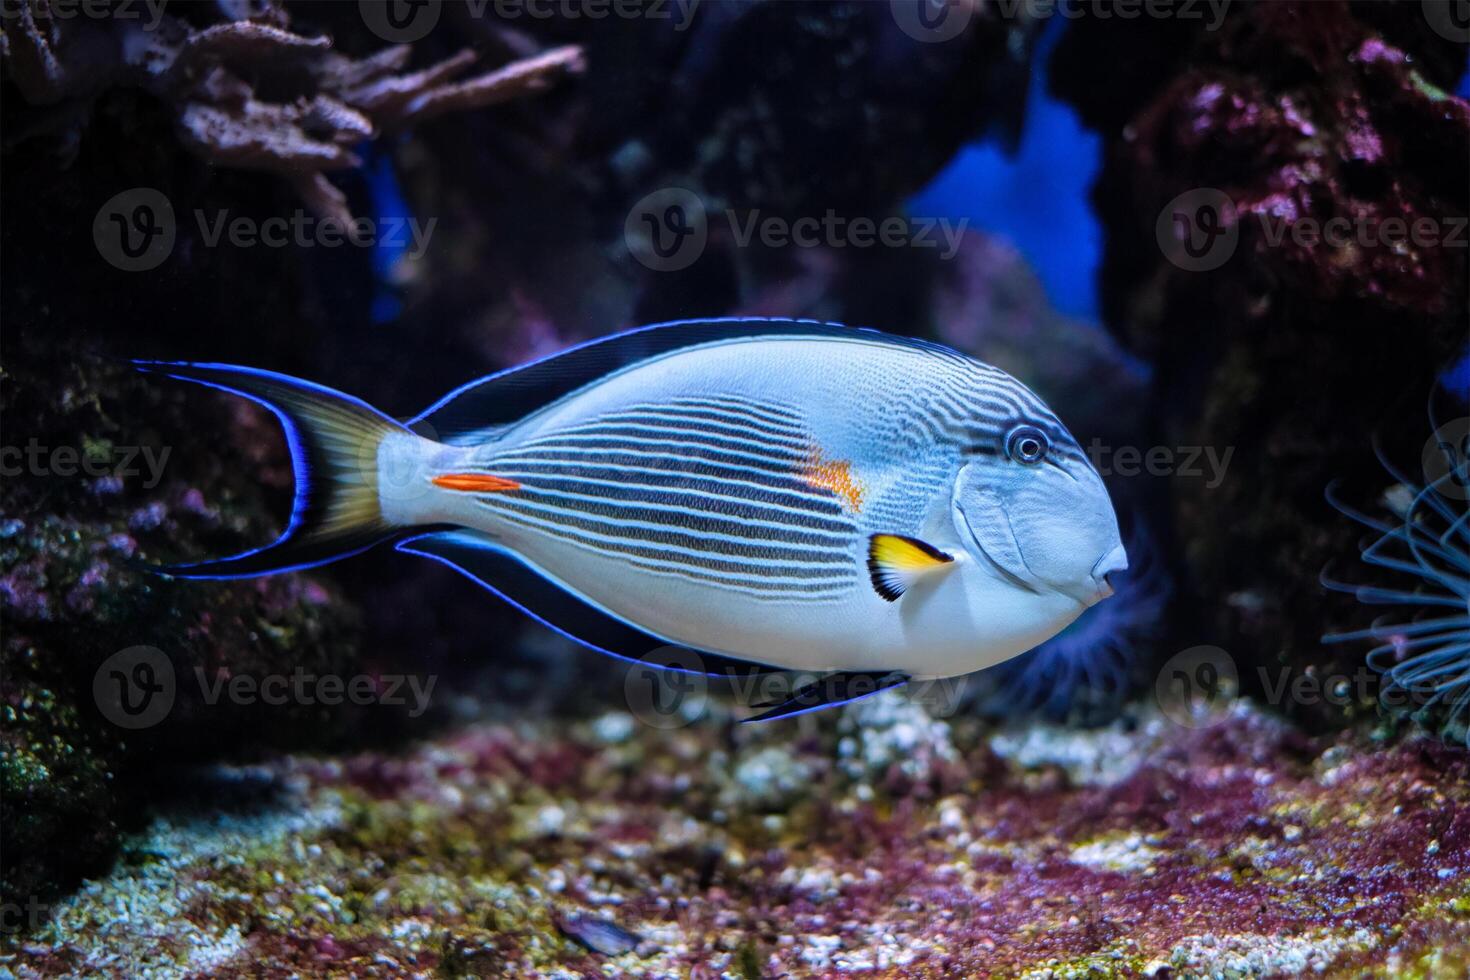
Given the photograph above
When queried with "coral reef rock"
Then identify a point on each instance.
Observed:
(1240, 850)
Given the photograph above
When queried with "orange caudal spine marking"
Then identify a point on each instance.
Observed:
(475, 482)
(834, 475)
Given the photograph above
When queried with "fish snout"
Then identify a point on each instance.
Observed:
(1112, 563)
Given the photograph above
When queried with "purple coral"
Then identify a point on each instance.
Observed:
(222, 118)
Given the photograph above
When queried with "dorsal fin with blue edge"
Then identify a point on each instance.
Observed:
(511, 395)
(526, 587)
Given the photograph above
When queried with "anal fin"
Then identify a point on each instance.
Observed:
(842, 687)
(529, 589)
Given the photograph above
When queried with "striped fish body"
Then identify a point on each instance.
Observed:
(769, 494)
(722, 497)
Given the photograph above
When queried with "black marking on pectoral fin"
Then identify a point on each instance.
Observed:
(896, 562)
(527, 588)
(843, 687)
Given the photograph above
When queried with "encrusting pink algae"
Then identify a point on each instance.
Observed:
(1238, 849)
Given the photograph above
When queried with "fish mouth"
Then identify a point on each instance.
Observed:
(1108, 567)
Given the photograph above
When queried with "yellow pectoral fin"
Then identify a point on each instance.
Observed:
(896, 562)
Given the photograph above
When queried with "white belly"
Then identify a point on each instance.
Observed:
(960, 620)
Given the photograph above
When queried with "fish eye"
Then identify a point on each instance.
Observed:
(1027, 444)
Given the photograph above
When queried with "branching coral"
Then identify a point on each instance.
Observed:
(221, 117)
(1423, 653)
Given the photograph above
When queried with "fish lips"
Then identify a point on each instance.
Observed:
(1115, 562)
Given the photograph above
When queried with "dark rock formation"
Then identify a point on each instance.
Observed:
(1286, 350)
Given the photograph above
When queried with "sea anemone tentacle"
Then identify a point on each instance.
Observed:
(1423, 655)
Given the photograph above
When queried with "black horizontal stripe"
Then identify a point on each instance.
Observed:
(751, 409)
(758, 588)
(608, 450)
(758, 448)
(702, 513)
(710, 422)
(675, 464)
(605, 479)
(716, 429)
(836, 571)
(697, 536)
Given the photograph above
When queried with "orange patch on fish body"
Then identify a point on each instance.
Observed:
(834, 475)
(475, 482)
